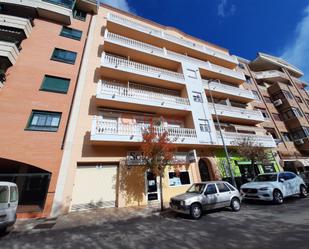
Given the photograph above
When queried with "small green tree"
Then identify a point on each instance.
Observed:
(158, 152)
(251, 150)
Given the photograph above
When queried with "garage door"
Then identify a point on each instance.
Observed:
(94, 187)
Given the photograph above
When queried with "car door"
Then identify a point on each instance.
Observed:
(284, 185)
(210, 198)
(295, 182)
(290, 182)
(4, 203)
(13, 202)
(225, 195)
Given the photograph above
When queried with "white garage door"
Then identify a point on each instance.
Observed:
(94, 187)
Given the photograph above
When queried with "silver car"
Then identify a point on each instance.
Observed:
(206, 196)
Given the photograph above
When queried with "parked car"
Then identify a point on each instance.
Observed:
(305, 176)
(8, 205)
(206, 196)
(274, 187)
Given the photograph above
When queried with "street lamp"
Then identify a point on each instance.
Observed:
(221, 134)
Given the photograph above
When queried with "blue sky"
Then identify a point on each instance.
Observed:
(245, 27)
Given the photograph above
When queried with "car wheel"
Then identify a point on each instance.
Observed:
(195, 211)
(235, 204)
(303, 191)
(277, 197)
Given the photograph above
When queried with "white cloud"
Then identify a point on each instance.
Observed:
(119, 4)
(297, 52)
(225, 9)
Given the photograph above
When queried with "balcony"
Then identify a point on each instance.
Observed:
(16, 23)
(87, 5)
(272, 76)
(56, 10)
(106, 131)
(231, 139)
(236, 114)
(170, 41)
(219, 90)
(124, 69)
(141, 98)
(137, 49)
(9, 52)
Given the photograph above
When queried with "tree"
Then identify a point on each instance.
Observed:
(250, 149)
(158, 152)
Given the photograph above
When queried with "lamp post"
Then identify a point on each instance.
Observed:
(221, 135)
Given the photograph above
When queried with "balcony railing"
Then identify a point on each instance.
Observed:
(232, 139)
(236, 112)
(172, 38)
(141, 92)
(16, 22)
(9, 50)
(230, 90)
(134, 44)
(118, 62)
(63, 3)
(270, 74)
(103, 130)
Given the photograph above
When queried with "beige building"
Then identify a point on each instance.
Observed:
(135, 72)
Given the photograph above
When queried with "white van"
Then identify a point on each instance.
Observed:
(8, 204)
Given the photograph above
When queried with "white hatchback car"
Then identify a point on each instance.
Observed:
(274, 187)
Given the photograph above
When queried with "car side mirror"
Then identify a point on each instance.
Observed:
(281, 180)
(205, 193)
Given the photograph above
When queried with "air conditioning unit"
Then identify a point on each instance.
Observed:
(299, 141)
(277, 102)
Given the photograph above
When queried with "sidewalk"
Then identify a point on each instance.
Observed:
(84, 218)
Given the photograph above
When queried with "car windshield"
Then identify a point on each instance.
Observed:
(266, 178)
(197, 188)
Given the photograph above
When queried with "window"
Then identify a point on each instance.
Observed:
(306, 130)
(287, 94)
(264, 113)
(307, 115)
(267, 99)
(64, 3)
(55, 84)
(204, 125)
(179, 178)
(297, 112)
(289, 175)
(4, 194)
(242, 66)
(307, 100)
(248, 80)
(298, 134)
(298, 99)
(79, 15)
(211, 189)
(222, 187)
(277, 116)
(197, 97)
(292, 113)
(44, 121)
(191, 74)
(13, 194)
(256, 95)
(64, 56)
(71, 33)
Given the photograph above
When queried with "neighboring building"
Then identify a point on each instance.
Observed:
(281, 97)
(41, 48)
(137, 72)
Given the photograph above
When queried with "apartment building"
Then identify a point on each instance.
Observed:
(41, 48)
(281, 96)
(138, 72)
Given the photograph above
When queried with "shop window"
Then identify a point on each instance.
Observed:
(197, 97)
(64, 56)
(71, 33)
(44, 121)
(179, 178)
(55, 84)
(268, 168)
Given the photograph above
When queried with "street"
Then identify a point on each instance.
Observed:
(257, 225)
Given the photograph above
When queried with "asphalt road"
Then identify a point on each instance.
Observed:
(257, 225)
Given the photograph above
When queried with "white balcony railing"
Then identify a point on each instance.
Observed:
(17, 23)
(236, 112)
(9, 50)
(141, 46)
(140, 92)
(227, 89)
(172, 38)
(112, 131)
(121, 63)
(270, 74)
(232, 139)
